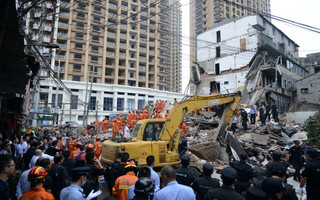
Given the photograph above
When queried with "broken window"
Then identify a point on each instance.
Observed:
(304, 90)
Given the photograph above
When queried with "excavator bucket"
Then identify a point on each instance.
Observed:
(207, 151)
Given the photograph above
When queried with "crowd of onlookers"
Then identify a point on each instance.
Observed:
(50, 165)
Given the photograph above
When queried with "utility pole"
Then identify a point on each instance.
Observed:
(85, 101)
(57, 92)
(88, 105)
(62, 113)
(71, 101)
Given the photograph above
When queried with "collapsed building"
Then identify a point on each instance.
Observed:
(251, 55)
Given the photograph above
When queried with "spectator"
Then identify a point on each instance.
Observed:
(59, 176)
(144, 172)
(7, 168)
(67, 162)
(173, 190)
(37, 154)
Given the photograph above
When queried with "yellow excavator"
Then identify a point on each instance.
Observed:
(160, 137)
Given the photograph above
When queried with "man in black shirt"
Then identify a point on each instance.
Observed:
(276, 161)
(184, 175)
(67, 162)
(296, 153)
(201, 185)
(7, 168)
(311, 176)
(228, 176)
(244, 174)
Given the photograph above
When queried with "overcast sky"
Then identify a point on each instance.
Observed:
(306, 12)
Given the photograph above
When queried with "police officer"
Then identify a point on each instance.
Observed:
(228, 176)
(244, 174)
(201, 185)
(184, 175)
(288, 192)
(311, 175)
(143, 189)
(273, 188)
(296, 153)
(244, 118)
(276, 156)
(75, 191)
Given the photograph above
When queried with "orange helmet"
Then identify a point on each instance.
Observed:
(98, 138)
(37, 173)
(90, 147)
(130, 163)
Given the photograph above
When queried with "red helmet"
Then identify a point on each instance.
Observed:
(73, 137)
(37, 173)
(98, 138)
(130, 163)
(90, 147)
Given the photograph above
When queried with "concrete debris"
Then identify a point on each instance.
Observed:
(258, 141)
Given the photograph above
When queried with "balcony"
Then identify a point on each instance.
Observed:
(62, 35)
(124, 7)
(142, 78)
(142, 68)
(124, 45)
(151, 52)
(64, 14)
(123, 35)
(111, 34)
(151, 43)
(143, 49)
(57, 68)
(58, 56)
(63, 25)
(63, 46)
(112, 44)
(111, 5)
(121, 54)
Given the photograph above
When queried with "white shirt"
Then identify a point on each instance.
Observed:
(47, 156)
(33, 161)
(126, 132)
(24, 146)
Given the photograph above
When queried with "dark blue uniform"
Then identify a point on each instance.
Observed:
(295, 160)
(202, 185)
(312, 172)
(185, 176)
(244, 175)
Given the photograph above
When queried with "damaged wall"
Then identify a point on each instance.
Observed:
(308, 89)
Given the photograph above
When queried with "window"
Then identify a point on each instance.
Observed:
(80, 24)
(218, 36)
(95, 37)
(94, 58)
(94, 69)
(81, 14)
(74, 102)
(78, 45)
(94, 48)
(96, 28)
(94, 79)
(217, 52)
(130, 104)
(96, 18)
(93, 103)
(108, 72)
(76, 78)
(226, 82)
(107, 103)
(152, 131)
(81, 4)
(78, 55)
(140, 104)
(97, 8)
(77, 67)
(217, 66)
(59, 105)
(304, 90)
(80, 117)
(79, 35)
(120, 104)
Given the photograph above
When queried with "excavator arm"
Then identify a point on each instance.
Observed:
(180, 110)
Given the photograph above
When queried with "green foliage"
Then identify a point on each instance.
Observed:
(313, 129)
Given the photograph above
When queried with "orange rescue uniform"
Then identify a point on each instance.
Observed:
(75, 153)
(122, 185)
(72, 145)
(98, 149)
(37, 194)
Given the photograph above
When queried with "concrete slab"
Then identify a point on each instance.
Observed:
(299, 117)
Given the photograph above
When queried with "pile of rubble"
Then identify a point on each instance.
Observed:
(258, 142)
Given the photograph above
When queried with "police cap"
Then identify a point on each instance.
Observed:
(80, 170)
(255, 193)
(312, 153)
(272, 185)
(207, 169)
(229, 173)
(185, 160)
(296, 142)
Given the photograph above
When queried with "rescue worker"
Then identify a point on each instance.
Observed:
(296, 154)
(226, 191)
(82, 154)
(97, 147)
(184, 175)
(166, 114)
(105, 125)
(37, 177)
(114, 128)
(273, 187)
(159, 115)
(184, 129)
(72, 144)
(202, 185)
(123, 183)
(143, 172)
(76, 152)
(244, 119)
(140, 116)
(276, 161)
(129, 116)
(311, 176)
(60, 142)
(143, 189)
(75, 191)
(172, 189)
(244, 174)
